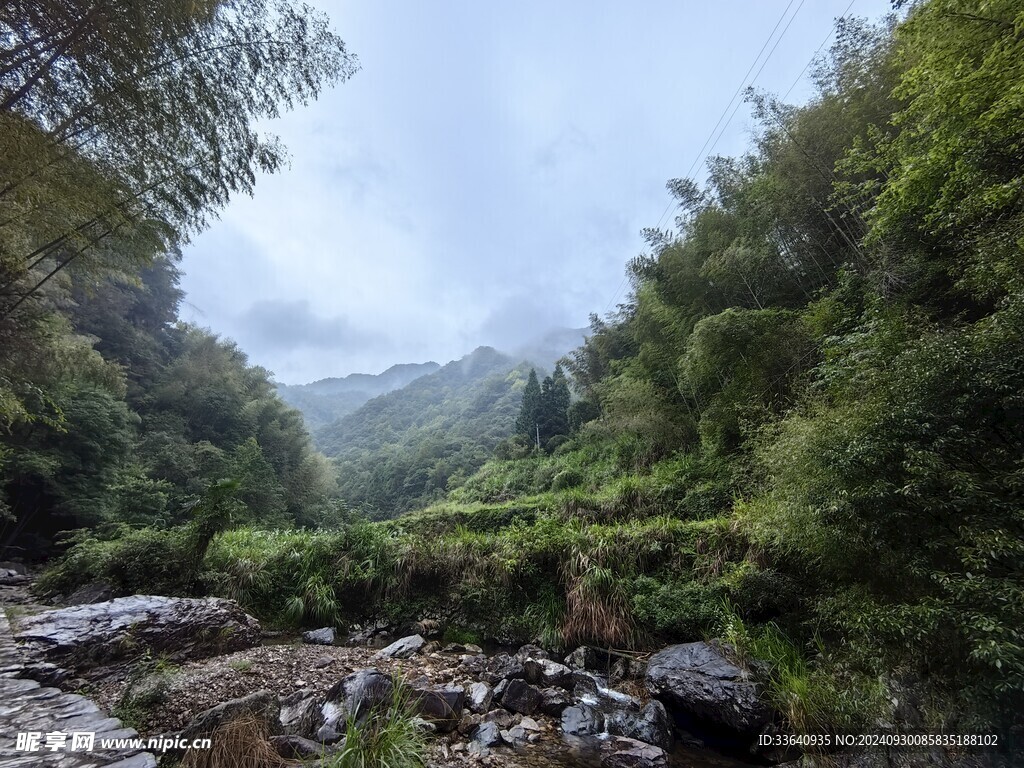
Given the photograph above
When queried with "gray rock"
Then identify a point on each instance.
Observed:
(499, 689)
(532, 652)
(619, 715)
(263, 705)
(519, 696)
(402, 649)
(356, 695)
(478, 697)
(547, 673)
(630, 753)
(323, 636)
(586, 657)
(500, 717)
(97, 592)
(440, 705)
(503, 667)
(177, 628)
(698, 680)
(300, 713)
(554, 701)
(487, 735)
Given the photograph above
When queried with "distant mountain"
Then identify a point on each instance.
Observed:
(400, 450)
(327, 400)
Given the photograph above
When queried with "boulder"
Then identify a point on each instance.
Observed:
(440, 705)
(402, 649)
(629, 753)
(356, 695)
(176, 628)
(323, 636)
(554, 701)
(502, 667)
(521, 697)
(300, 712)
(547, 673)
(263, 705)
(696, 679)
(478, 698)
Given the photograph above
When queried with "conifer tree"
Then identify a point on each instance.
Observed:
(530, 413)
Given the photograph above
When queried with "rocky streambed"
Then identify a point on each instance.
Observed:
(177, 667)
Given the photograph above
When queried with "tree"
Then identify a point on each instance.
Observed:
(128, 122)
(553, 415)
(530, 412)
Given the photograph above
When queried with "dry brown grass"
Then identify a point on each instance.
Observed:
(596, 609)
(241, 743)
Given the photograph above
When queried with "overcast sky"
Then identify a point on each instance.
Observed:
(485, 176)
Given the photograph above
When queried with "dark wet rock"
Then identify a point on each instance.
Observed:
(519, 696)
(299, 748)
(322, 636)
(620, 715)
(487, 735)
(440, 705)
(403, 648)
(177, 628)
(300, 712)
(547, 673)
(626, 669)
(356, 695)
(531, 651)
(264, 705)
(554, 701)
(479, 697)
(582, 720)
(586, 657)
(587, 683)
(699, 681)
(629, 753)
(502, 667)
(499, 690)
(97, 592)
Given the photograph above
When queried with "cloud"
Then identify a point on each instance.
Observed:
(276, 326)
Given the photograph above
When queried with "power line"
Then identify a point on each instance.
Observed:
(743, 84)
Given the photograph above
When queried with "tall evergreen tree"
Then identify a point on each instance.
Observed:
(530, 413)
(554, 406)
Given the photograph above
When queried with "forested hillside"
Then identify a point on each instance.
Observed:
(802, 432)
(325, 401)
(406, 448)
(123, 128)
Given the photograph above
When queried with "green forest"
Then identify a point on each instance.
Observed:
(802, 431)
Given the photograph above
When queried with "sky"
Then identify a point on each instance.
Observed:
(486, 175)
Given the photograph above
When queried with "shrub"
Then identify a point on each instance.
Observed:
(567, 478)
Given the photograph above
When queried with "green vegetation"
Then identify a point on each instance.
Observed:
(405, 449)
(388, 736)
(803, 432)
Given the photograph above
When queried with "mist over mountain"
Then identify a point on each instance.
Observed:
(324, 401)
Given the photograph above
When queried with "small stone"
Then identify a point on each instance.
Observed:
(323, 661)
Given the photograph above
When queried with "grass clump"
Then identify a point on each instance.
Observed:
(390, 737)
(240, 743)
